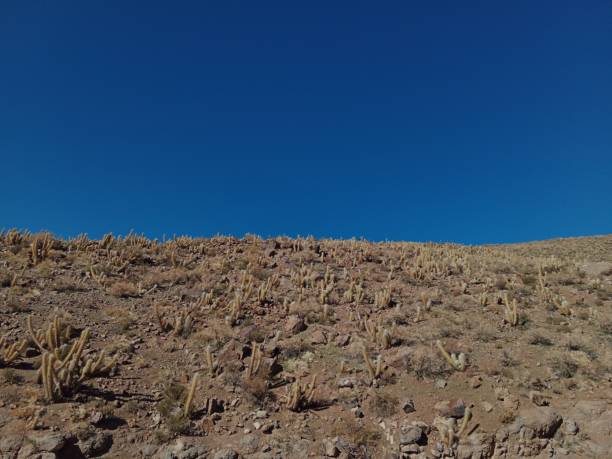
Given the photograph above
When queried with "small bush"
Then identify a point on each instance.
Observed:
(123, 289)
(563, 367)
(425, 366)
(383, 405)
(10, 376)
(539, 340)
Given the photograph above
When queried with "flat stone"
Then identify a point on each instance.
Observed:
(543, 422)
(570, 427)
(10, 443)
(195, 452)
(148, 450)
(226, 454)
(330, 449)
(440, 383)
(294, 325)
(318, 337)
(342, 340)
(249, 443)
(596, 268)
(52, 442)
(476, 445)
(410, 434)
(346, 383)
(408, 406)
(450, 408)
(97, 444)
(538, 399)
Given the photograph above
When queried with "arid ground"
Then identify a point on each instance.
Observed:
(291, 348)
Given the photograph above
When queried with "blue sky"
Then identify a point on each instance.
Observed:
(446, 121)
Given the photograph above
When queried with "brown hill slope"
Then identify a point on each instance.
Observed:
(303, 348)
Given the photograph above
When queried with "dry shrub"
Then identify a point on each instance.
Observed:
(5, 278)
(425, 365)
(383, 405)
(63, 284)
(537, 339)
(563, 367)
(171, 409)
(362, 439)
(123, 289)
(257, 392)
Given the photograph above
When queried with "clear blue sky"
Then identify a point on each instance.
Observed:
(447, 121)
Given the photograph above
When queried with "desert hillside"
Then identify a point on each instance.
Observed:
(223, 348)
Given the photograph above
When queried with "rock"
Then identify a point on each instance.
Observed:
(96, 417)
(31, 454)
(591, 408)
(226, 453)
(346, 383)
(594, 417)
(570, 427)
(249, 443)
(271, 248)
(475, 382)
(501, 393)
(330, 449)
(410, 449)
(195, 452)
(52, 442)
(410, 434)
(487, 407)
(148, 450)
(26, 452)
(248, 334)
(10, 443)
(168, 452)
(214, 405)
(318, 337)
(440, 383)
(476, 446)
(342, 340)
(270, 367)
(540, 422)
(294, 325)
(399, 359)
(408, 406)
(509, 401)
(231, 352)
(538, 399)
(358, 412)
(450, 408)
(596, 269)
(97, 444)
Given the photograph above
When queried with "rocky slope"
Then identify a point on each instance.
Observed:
(288, 348)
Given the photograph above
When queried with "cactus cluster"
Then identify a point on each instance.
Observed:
(300, 397)
(56, 335)
(510, 311)
(64, 369)
(180, 323)
(40, 247)
(10, 352)
(457, 361)
(374, 369)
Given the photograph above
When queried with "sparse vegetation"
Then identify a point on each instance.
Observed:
(208, 338)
